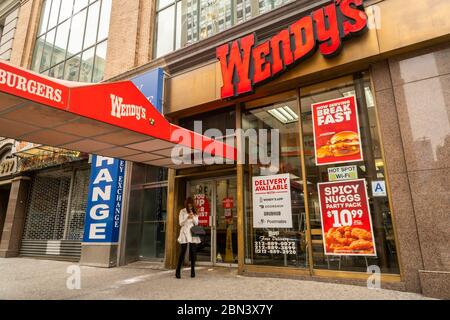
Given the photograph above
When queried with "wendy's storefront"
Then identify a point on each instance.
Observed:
(353, 99)
(340, 120)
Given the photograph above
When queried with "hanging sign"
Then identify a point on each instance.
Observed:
(228, 205)
(346, 220)
(203, 210)
(337, 138)
(272, 201)
(244, 63)
(104, 207)
(151, 85)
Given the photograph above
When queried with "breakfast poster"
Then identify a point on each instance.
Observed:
(337, 138)
(346, 220)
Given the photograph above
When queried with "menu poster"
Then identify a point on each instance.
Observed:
(272, 201)
(228, 205)
(203, 210)
(337, 138)
(346, 220)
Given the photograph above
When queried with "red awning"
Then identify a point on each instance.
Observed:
(109, 119)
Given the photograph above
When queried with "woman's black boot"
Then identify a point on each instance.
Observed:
(192, 273)
(178, 274)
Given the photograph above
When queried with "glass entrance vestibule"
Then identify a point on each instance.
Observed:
(215, 201)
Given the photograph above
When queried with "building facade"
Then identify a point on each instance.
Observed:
(399, 81)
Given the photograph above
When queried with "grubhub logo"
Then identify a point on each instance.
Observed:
(120, 109)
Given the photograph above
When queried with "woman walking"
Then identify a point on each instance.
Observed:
(188, 218)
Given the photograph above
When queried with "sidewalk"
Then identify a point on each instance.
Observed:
(22, 278)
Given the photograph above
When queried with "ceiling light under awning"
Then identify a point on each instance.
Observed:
(284, 114)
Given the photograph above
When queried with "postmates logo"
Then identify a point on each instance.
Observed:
(121, 110)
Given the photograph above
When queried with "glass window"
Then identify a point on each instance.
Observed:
(77, 33)
(283, 247)
(165, 31)
(57, 71)
(37, 55)
(79, 4)
(66, 10)
(67, 46)
(199, 19)
(54, 13)
(219, 119)
(91, 25)
(62, 36)
(371, 169)
(72, 68)
(104, 20)
(44, 18)
(87, 64)
(100, 61)
(47, 51)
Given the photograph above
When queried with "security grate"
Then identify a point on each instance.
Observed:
(47, 208)
(51, 229)
(78, 205)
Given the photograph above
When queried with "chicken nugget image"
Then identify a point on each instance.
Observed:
(361, 245)
(343, 249)
(339, 238)
(361, 234)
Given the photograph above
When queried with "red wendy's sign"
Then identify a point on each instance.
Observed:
(245, 64)
(337, 137)
(346, 220)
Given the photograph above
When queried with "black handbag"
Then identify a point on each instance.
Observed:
(197, 231)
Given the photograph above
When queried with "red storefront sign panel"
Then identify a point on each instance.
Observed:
(337, 137)
(26, 85)
(245, 63)
(346, 219)
(203, 209)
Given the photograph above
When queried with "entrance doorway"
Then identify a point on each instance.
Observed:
(215, 201)
(4, 198)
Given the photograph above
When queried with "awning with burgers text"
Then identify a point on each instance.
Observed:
(108, 119)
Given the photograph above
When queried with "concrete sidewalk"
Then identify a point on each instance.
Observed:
(22, 278)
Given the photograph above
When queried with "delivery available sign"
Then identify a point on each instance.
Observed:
(272, 201)
(346, 220)
(337, 138)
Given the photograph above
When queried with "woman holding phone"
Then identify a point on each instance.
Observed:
(187, 218)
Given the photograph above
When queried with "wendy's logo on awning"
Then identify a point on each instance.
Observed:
(245, 64)
(120, 109)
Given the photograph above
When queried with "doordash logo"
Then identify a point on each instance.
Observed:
(244, 63)
(119, 109)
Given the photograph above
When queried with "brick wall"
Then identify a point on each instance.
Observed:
(130, 36)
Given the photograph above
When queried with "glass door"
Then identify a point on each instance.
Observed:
(153, 223)
(226, 221)
(202, 194)
(215, 201)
